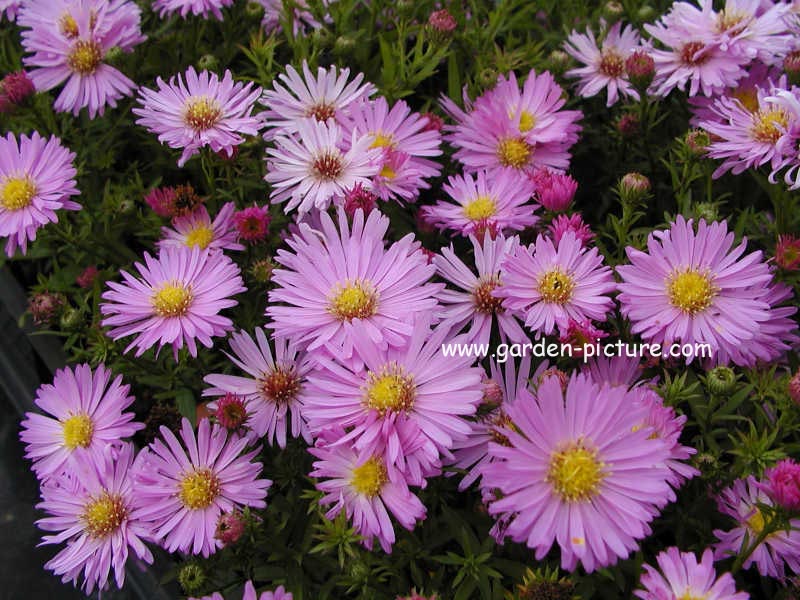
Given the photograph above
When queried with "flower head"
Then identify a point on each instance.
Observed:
(252, 223)
(783, 484)
(87, 277)
(14, 89)
(177, 300)
(574, 223)
(202, 8)
(579, 470)
(83, 409)
(45, 307)
(68, 42)
(358, 197)
(199, 109)
(787, 252)
(680, 576)
(230, 528)
(37, 178)
(183, 489)
(196, 230)
(554, 191)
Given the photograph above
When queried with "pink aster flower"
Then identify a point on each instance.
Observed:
(196, 230)
(367, 488)
(695, 287)
(695, 55)
(616, 371)
(68, 41)
(162, 201)
(183, 489)
(311, 170)
(578, 334)
(92, 511)
(546, 285)
(274, 390)
(358, 197)
(37, 178)
(166, 8)
(83, 409)
(252, 223)
(399, 132)
(574, 223)
(554, 191)
(783, 484)
(519, 129)
(14, 89)
(177, 301)
(408, 402)
(604, 66)
(498, 201)
(787, 252)
(788, 101)
(230, 411)
(475, 302)
(301, 18)
(295, 97)
(581, 474)
(779, 550)
(203, 111)
(337, 278)
(681, 576)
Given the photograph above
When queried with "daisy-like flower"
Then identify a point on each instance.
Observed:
(779, 550)
(92, 511)
(252, 223)
(166, 8)
(196, 230)
(582, 474)
(301, 18)
(400, 134)
(695, 288)
(295, 97)
(520, 130)
(83, 409)
(747, 137)
(499, 202)
(203, 111)
(280, 593)
(274, 390)
(694, 55)
(310, 169)
(475, 301)
(547, 285)
(337, 278)
(367, 488)
(177, 301)
(37, 178)
(757, 30)
(408, 402)
(69, 40)
(184, 488)
(679, 575)
(604, 66)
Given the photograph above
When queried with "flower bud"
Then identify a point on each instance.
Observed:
(191, 577)
(787, 252)
(230, 527)
(641, 69)
(721, 381)
(45, 307)
(633, 186)
(794, 387)
(208, 62)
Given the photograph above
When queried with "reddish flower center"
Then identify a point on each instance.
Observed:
(201, 112)
(482, 296)
(281, 385)
(690, 54)
(328, 166)
(611, 63)
(322, 111)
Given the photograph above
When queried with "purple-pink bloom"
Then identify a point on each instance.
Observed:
(91, 509)
(184, 488)
(10, 8)
(546, 285)
(68, 41)
(275, 389)
(578, 468)
(249, 593)
(203, 8)
(202, 111)
(554, 190)
(782, 483)
(195, 230)
(37, 178)
(301, 18)
(679, 575)
(561, 224)
(83, 410)
(177, 301)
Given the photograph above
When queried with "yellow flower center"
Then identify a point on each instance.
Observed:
(756, 521)
(198, 489)
(68, 26)
(611, 63)
(729, 20)
(172, 300)
(382, 140)
(689, 595)
(103, 515)
(201, 236)
(280, 386)
(526, 121)
(556, 287)
(769, 125)
(575, 473)
(748, 96)
(690, 291)
(201, 112)
(390, 389)
(514, 152)
(356, 300)
(482, 296)
(480, 208)
(84, 57)
(77, 431)
(369, 478)
(388, 172)
(17, 193)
